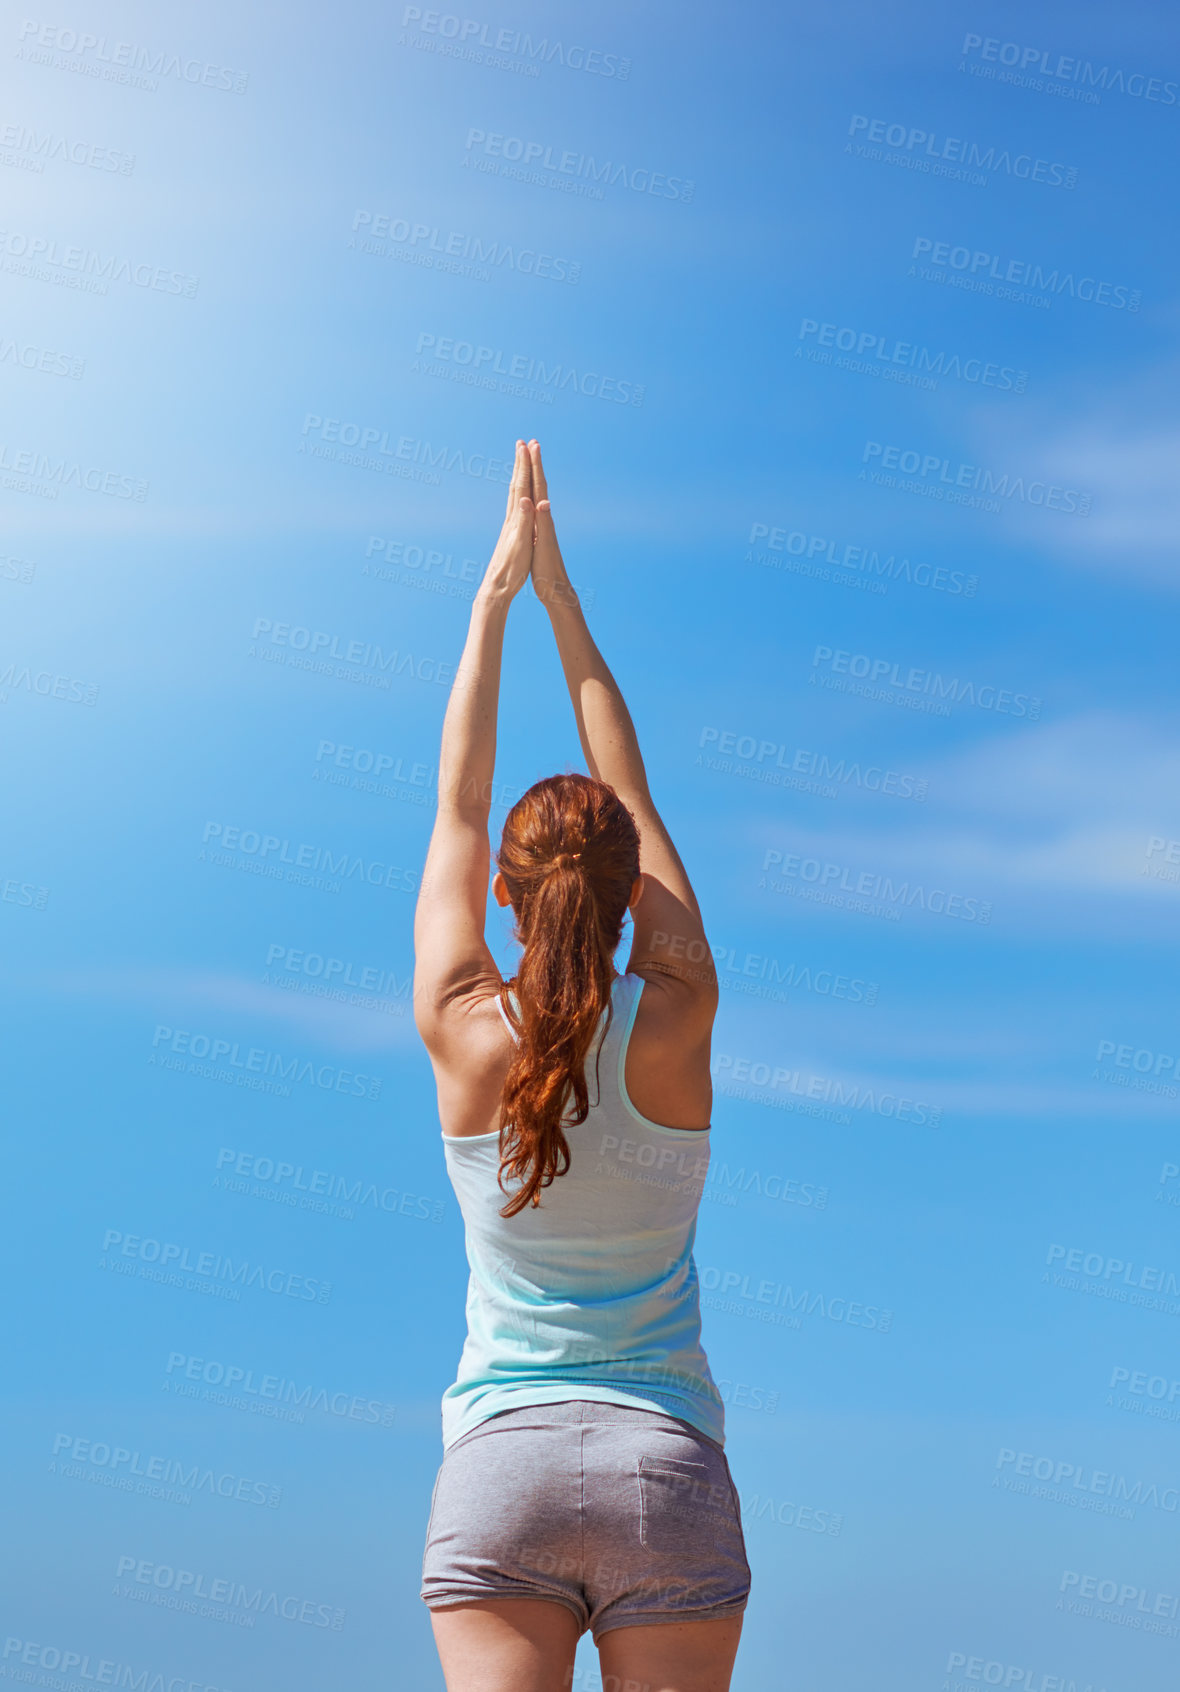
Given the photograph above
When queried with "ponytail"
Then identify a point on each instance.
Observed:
(569, 856)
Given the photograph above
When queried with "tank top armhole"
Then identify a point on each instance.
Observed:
(504, 1016)
(624, 1095)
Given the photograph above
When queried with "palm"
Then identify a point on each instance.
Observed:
(548, 565)
(513, 555)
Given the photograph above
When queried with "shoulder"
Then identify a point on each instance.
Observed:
(673, 1010)
(666, 1074)
(464, 1028)
(470, 1049)
(676, 995)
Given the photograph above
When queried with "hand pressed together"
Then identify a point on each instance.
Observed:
(550, 581)
(513, 555)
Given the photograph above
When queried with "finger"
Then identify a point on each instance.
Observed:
(546, 532)
(540, 486)
(514, 483)
(525, 488)
(525, 517)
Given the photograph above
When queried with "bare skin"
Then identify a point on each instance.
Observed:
(528, 1645)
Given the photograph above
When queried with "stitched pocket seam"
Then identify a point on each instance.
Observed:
(681, 1466)
(672, 1468)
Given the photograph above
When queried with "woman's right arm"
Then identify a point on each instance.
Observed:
(669, 939)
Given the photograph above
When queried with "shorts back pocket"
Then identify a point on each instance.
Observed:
(681, 1505)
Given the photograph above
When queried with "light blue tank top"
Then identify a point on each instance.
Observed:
(593, 1293)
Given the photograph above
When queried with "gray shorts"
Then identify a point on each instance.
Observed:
(625, 1516)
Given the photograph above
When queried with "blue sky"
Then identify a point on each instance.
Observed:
(765, 518)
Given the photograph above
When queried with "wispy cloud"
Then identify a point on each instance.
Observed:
(1116, 441)
(1064, 808)
(1135, 524)
(166, 993)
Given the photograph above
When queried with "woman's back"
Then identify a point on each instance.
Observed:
(593, 1292)
(667, 1062)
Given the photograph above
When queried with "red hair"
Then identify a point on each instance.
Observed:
(569, 855)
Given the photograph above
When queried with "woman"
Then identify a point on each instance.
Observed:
(584, 1481)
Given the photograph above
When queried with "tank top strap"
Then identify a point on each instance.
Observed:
(504, 1015)
(625, 991)
(604, 1066)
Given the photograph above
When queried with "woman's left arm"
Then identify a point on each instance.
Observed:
(453, 964)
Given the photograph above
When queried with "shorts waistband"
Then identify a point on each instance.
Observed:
(577, 1410)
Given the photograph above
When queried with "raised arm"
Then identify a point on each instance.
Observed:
(453, 964)
(669, 940)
